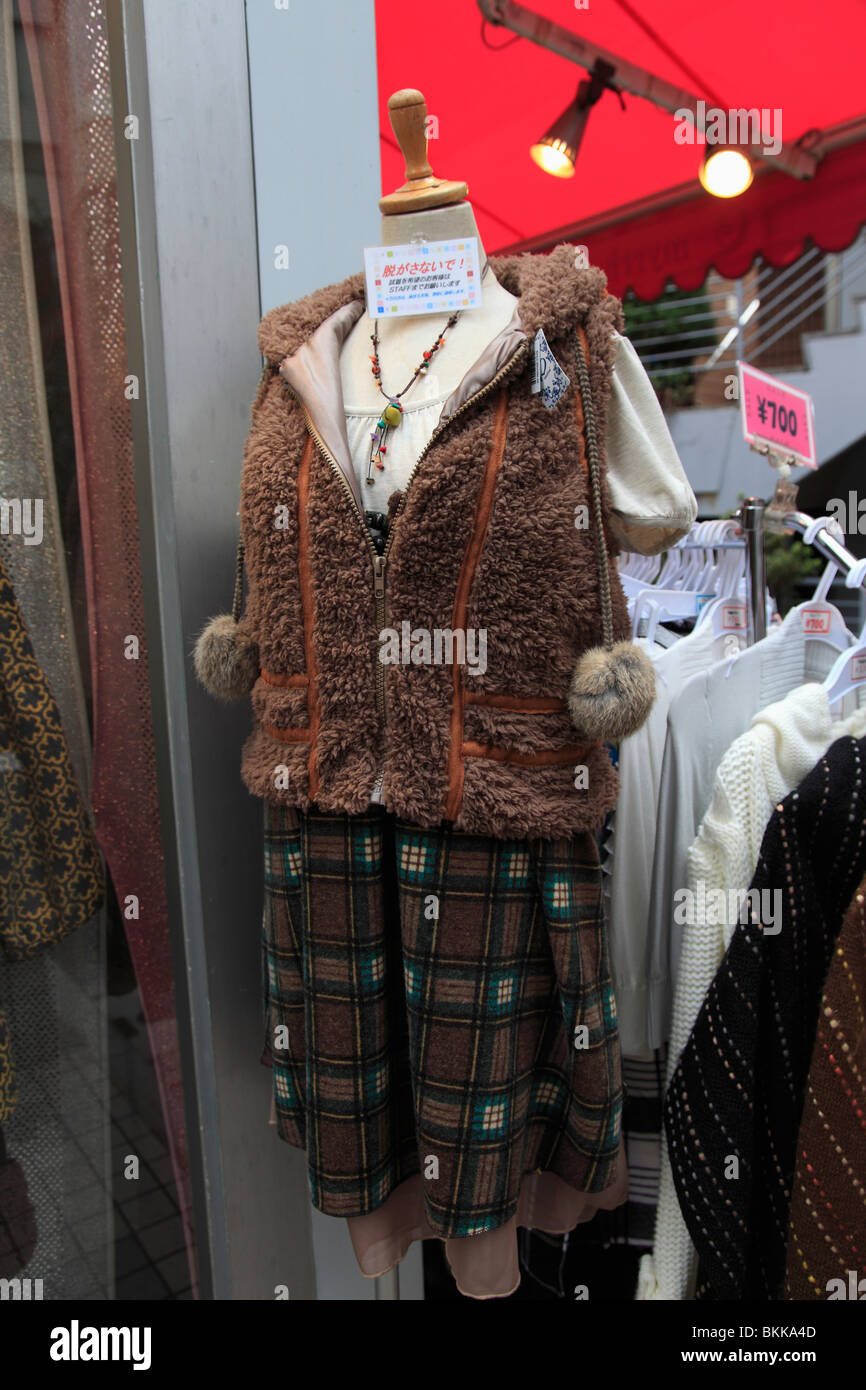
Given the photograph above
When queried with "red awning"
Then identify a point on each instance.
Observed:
(776, 218)
(635, 199)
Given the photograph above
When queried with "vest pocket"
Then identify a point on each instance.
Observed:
(281, 708)
(494, 731)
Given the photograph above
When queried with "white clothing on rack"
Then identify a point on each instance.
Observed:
(705, 716)
(628, 855)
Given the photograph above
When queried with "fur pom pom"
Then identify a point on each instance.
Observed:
(612, 692)
(226, 659)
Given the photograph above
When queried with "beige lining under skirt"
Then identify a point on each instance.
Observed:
(483, 1266)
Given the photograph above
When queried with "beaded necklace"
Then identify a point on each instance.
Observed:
(392, 413)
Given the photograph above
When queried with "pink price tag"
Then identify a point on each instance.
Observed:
(777, 414)
(816, 620)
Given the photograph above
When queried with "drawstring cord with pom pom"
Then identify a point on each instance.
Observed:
(613, 685)
(238, 600)
(594, 467)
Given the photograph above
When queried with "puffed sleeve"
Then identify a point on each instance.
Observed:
(653, 503)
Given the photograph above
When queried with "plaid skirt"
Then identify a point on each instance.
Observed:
(437, 1003)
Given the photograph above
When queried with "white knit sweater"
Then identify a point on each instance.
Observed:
(781, 747)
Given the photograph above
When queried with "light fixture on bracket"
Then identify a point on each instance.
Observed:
(726, 171)
(798, 159)
(556, 151)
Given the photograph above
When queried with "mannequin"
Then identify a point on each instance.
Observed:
(653, 504)
(424, 209)
(391, 787)
(403, 340)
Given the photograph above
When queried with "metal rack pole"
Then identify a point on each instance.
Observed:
(824, 540)
(752, 522)
(387, 1286)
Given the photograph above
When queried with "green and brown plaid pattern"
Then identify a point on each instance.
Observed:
(429, 987)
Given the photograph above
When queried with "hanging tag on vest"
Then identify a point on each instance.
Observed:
(548, 378)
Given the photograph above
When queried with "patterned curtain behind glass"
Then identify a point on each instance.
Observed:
(56, 1141)
(69, 62)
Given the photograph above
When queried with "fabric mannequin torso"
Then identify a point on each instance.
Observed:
(653, 504)
(402, 344)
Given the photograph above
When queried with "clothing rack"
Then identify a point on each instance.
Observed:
(716, 545)
(756, 517)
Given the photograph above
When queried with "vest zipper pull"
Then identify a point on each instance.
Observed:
(379, 576)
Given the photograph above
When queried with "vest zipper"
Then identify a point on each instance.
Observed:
(329, 458)
(380, 561)
(379, 592)
(494, 381)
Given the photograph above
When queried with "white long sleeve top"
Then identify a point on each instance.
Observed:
(653, 503)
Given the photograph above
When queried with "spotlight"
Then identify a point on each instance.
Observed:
(556, 151)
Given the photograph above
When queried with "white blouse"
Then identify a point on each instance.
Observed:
(653, 502)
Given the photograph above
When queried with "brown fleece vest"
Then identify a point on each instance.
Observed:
(483, 539)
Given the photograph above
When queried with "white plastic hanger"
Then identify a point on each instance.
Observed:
(636, 572)
(672, 569)
(662, 606)
(675, 593)
(706, 579)
(822, 621)
(726, 613)
(692, 558)
(849, 670)
(635, 581)
(658, 604)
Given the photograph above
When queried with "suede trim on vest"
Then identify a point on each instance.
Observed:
(520, 704)
(286, 682)
(461, 601)
(306, 581)
(551, 757)
(291, 736)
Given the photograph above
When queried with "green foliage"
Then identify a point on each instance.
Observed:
(789, 562)
(669, 318)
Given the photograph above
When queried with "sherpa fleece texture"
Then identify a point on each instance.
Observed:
(525, 572)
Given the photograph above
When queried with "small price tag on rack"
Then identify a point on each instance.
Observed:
(817, 620)
(777, 415)
(422, 278)
(734, 617)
